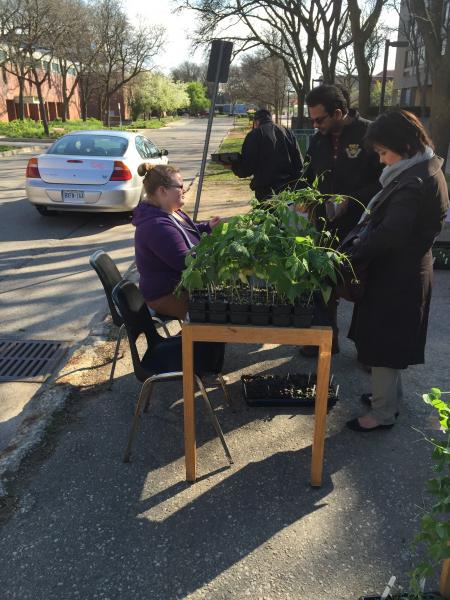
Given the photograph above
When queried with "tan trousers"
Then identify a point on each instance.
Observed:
(170, 306)
(387, 394)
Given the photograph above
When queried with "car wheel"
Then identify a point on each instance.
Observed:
(44, 211)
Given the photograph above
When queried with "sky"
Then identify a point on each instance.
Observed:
(178, 28)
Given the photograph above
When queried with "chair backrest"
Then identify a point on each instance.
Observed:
(163, 354)
(110, 276)
(137, 319)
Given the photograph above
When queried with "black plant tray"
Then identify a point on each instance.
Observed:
(441, 255)
(225, 157)
(405, 596)
(293, 389)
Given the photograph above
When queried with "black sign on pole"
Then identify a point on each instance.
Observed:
(219, 61)
(218, 68)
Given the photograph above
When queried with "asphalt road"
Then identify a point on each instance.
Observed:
(47, 289)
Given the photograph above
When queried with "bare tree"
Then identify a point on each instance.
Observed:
(363, 24)
(289, 30)
(189, 71)
(125, 51)
(31, 39)
(433, 22)
(264, 81)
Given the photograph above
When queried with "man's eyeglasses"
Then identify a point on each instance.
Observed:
(180, 186)
(319, 120)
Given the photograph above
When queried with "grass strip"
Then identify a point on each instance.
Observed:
(34, 129)
(232, 143)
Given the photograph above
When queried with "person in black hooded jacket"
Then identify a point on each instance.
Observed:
(271, 155)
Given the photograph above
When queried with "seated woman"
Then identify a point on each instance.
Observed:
(389, 325)
(164, 235)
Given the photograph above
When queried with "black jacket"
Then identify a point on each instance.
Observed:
(354, 172)
(269, 153)
(389, 324)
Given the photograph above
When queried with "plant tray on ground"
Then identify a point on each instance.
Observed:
(441, 255)
(405, 596)
(293, 389)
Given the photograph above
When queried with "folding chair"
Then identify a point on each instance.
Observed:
(110, 276)
(162, 360)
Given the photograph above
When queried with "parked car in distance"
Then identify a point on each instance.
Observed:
(91, 171)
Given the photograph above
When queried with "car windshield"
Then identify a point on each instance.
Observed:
(90, 145)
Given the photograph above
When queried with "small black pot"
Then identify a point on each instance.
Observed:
(218, 306)
(281, 315)
(218, 312)
(198, 316)
(238, 313)
(260, 314)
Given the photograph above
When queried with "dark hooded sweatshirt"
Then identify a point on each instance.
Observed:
(161, 247)
(271, 155)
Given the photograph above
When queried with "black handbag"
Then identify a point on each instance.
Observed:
(352, 278)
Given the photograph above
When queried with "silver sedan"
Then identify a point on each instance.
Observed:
(91, 171)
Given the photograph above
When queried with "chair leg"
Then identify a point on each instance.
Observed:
(223, 385)
(146, 391)
(116, 353)
(213, 418)
(149, 395)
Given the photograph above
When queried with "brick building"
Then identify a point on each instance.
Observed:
(51, 90)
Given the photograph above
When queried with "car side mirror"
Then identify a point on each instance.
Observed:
(163, 152)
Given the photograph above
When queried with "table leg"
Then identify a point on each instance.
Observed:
(189, 406)
(320, 414)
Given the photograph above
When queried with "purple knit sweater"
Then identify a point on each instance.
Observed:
(161, 248)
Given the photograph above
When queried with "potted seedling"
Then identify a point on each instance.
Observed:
(262, 267)
(434, 532)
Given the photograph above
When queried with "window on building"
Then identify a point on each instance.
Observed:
(55, 67)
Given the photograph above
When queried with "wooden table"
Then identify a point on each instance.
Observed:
(249, 334)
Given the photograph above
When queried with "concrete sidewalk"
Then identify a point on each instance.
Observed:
(84, 525)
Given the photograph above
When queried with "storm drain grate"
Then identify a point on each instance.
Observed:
(29, 360)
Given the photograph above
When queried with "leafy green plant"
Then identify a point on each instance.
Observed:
(435, 524)
(279, 248)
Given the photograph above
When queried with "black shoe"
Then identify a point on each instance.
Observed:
(354, 425)
(367, 400)
(313, 351)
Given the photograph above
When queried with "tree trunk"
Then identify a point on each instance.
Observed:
(42, 110)
(363, 77)
(440, 109)
(20, 111)
(65, 101)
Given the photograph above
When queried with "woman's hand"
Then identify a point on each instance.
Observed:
(214, 222)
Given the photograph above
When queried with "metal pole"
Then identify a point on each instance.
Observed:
(287, 124)
(383, 80)
(208, 135)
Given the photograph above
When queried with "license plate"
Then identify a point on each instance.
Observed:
(73, 197)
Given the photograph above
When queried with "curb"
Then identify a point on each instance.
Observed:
(20, 150)
(51, 399)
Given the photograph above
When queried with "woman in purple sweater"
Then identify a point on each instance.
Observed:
(164, 235)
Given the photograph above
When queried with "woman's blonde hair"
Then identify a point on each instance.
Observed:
(156, 176)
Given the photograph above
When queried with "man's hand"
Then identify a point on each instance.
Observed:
(335, 211)
(214, 222)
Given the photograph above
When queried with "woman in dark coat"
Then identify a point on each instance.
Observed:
(389, 325)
